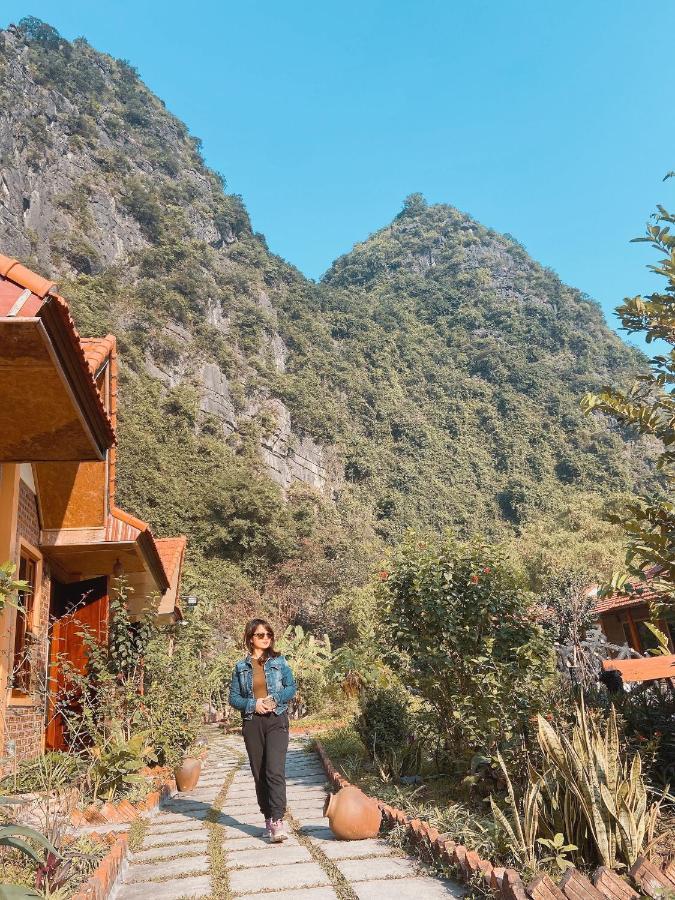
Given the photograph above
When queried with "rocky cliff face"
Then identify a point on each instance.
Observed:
(97, 178)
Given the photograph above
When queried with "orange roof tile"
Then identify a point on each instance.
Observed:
(641, 594)
(10, 268)
(166, 553)
(171, 551)
(97, 350)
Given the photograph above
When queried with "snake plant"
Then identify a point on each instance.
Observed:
(592, 793)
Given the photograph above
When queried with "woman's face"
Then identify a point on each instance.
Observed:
(260, 639)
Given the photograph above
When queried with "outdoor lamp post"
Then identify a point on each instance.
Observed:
(191, 601)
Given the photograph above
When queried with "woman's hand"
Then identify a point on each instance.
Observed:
(260, 707)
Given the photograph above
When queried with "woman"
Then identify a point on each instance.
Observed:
(262, 684)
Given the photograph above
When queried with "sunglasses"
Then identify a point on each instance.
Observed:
(262, 634)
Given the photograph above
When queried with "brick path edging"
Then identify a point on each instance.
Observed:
(506, 884)
(109, 872)
(124, 811)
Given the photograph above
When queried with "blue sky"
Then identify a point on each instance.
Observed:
(548, 121)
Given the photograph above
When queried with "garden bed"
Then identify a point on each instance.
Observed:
(644, 878)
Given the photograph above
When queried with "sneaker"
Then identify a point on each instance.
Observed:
(267, 833)
(277, 831)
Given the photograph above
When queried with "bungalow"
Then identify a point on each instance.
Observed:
(59, 522)
(623, 619)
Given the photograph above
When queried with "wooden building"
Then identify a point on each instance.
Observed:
(623, 619)
(59, 522)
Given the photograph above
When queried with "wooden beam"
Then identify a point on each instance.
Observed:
(647, 669)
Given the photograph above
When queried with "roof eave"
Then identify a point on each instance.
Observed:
(66, 345)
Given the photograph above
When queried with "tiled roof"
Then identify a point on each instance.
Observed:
(97, 350)
(643, 593)
(171, 551)
(38, 286)
(166, 552)
(23, 294)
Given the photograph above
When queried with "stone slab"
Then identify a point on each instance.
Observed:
(199, 886)
(189, 807)
(407, 889)
(234, 845)
(178, 818)
(306, 779)
(233, 809)
(177, 827)
(268, 854)
(324, 833)
(381, 867)
(278, 878)
(168, 867)
(242, 831)
(205, 796)
(355, 849)
(195, 847)
(319, 893)
(174, 837)
(254, 819)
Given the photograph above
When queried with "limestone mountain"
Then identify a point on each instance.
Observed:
(431, 378)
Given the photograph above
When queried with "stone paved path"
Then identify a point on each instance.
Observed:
(191, 840)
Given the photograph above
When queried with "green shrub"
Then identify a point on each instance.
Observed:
(385, 727)
(178, 687)
(462, 634)
(117, 763)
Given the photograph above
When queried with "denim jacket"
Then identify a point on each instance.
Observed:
(279, 680)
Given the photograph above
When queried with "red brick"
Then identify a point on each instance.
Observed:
(512, 886)
(649, 878)
(612, 886)
(497, 880)
(544, 888)
(576, 886)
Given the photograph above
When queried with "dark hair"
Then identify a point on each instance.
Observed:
(249, 631)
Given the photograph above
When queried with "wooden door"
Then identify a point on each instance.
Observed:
(77, 610)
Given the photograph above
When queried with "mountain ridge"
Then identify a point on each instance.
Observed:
(431, 378)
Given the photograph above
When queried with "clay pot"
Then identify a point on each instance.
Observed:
(352, 815)
(187, 773)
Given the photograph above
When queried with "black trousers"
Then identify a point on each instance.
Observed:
(266, 739)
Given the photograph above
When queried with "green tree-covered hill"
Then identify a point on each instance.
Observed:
(431, 378)
(460, 362)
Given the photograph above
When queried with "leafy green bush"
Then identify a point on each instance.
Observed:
(178, 687)
(648, 714)
(117, 763)
(9, 585)
(461, 632)
(385, 727)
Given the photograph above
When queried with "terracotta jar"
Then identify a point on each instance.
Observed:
(187, 773)
(352, 815)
